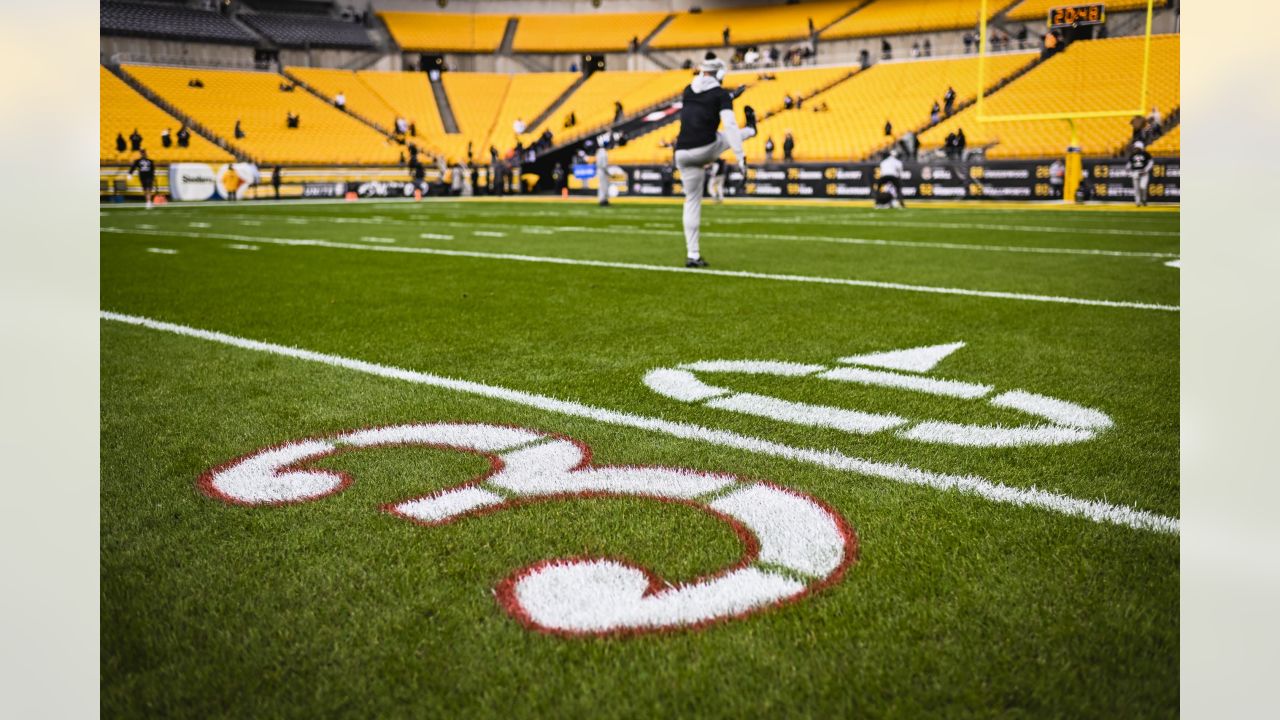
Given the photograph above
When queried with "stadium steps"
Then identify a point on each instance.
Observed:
(555, 104)
(264, 42)
(302, 84)
(190, 122)
(644, 43)
(442, 103)
(964, 105)
(817, 34)
(508, 37)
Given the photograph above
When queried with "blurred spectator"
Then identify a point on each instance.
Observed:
(768, 149)
(968, 41)
(1154, 118)
(184, 137)
(752, 57)
(787, 101)
(135, 140)
(864, 59)
(1022, 37)
(788, 148)
(915, 49)
(774, 55)
(634, 44)
(725, 35)
(949, 101)
(910, 145)
(121, 146)
(275, 180)
(928, 48)
(340, 100)
(822, 107)
(1139, 124)
(960, 143)
(195, 83)
(518, 127)
(239, 132)
(413, 128)
(949, 145)
(935, 114)
(617, 111)
(799, 102)
(286, 87)
(1050, 45)
(166, 140)
(811, 29)
(402, 126)
(571, 120)
(888, 128)
(291, 120)
(886, 50)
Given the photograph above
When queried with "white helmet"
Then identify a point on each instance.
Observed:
(1137, 145)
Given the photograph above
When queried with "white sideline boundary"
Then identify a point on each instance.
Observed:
(1093, 510)
(877, 284)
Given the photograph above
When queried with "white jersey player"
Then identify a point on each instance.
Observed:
(705, 107)
(716, 173)
(1140, 166)
(602, 174)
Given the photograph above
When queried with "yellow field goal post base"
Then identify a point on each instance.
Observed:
(1074, 166)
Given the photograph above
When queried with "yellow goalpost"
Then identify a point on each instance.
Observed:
(1073, 160)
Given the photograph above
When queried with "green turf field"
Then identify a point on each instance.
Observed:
(1044, 584)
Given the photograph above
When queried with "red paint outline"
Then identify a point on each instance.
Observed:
(504, 592)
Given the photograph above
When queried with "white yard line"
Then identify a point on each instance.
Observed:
(989, 294)
(839, 240)
(1094, 510)
(162, 251)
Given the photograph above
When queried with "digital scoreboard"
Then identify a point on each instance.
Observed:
(1070, 16)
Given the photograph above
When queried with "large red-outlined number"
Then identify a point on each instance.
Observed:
(793, 543)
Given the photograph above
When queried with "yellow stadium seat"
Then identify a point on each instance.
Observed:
(1168, 144)
(1088, 76)
(900, 92)
(749, 25)
(527, 96)
(894, 17)
(604, 32)
(593, 102)
(121, 110)
(324, 136)
(446, 32)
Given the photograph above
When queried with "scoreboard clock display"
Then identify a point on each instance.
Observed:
(1069, 16)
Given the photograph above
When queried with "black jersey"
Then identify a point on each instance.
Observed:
(700, 116)
(1138, 161)
(144, 166)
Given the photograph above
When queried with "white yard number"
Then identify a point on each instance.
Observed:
(1056, 421)
(793, 544)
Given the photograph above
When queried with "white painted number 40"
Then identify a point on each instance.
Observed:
(792, 543)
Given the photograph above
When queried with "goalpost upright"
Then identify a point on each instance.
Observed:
(1073, 160)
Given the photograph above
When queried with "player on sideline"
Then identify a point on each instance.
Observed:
(602, 171)
(891, 176)
(705, 106)
(146, 170)
(1140, 165)
(716, 172)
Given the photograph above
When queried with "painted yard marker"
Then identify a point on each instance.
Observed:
(434, 236)
(1067, 421)
(904, 287)
(488, 233)
(162, 251)
(241, 246)
(198, 224)
(779, 529)
(1174, 263)
(383, 240)
(1093, 510)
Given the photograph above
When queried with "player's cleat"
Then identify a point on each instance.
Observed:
(750, 113)
(695, 263)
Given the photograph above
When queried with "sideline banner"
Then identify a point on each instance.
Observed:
(995, 179)
(191, 181)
